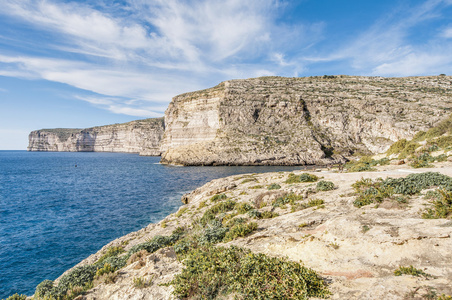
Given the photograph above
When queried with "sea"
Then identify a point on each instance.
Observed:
(57, 208)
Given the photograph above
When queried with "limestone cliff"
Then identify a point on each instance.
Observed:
(142, 136)
(295, 121)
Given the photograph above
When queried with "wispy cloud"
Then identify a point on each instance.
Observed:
(137, 108)
(388, 48)
(168, 47)
(138, 54)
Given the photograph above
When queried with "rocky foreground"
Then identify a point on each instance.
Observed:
(355, 250)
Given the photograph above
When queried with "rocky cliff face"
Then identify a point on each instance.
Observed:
(291, 121)
(142, 136)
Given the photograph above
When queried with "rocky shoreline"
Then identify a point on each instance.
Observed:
(354, 249)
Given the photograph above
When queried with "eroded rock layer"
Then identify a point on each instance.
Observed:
(142, 136)
(295, 121)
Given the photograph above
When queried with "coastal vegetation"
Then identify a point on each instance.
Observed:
(368, 191)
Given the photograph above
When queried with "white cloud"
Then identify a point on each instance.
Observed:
(119, 106)
(447, 33)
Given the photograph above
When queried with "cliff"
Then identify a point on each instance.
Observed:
(141, 136)
(296, 121)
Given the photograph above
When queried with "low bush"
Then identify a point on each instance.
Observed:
(112, 251)
(369, 191)
(273, 186)
(325, 185)
(218, 197)
(410, 271)
(44, 289)
(255, 214)
(287, 199)
(81, 277)
(214, 233)
(158, 242)
(422, 161)
(269, 215)
(441, 207)
(243, 208)
(209, 273)
(239, 230)
(304, 177)
(17, 297)
(220, 207)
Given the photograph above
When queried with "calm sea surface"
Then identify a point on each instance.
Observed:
(58, 208)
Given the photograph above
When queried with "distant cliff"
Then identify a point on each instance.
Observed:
(142, 136)
(293, 121)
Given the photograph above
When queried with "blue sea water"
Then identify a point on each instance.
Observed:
(57, 208)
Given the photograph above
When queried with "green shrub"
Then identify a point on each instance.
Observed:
(403, 147)
(218, 197)
(369, 191)
(181, 211)
(112, 251)
(256, 187)
(397, 147)
(79, 277)
(255, 214)
(240, 230)
(158, 242)
(17, 297)
(269, 215)
(117, 262)
(422, 161)
(442, 207)
(242, 208)
(410, 271)
(287, 199)
(443, 141)
(44, 289)
(325, 185)
(273, 186)
(214, 233)
(304, 177)
(182, 246)
(209, 273)
(220, 207)
(106, 269)
(414, 183)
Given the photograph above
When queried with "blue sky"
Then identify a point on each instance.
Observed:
(80, 63)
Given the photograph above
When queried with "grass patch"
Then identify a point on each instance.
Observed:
(273, 186)
(411, 271)
(218, 197)
(304, 177)
(369, 191)
(287, 199)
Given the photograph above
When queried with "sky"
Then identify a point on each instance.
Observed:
(78, 64)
